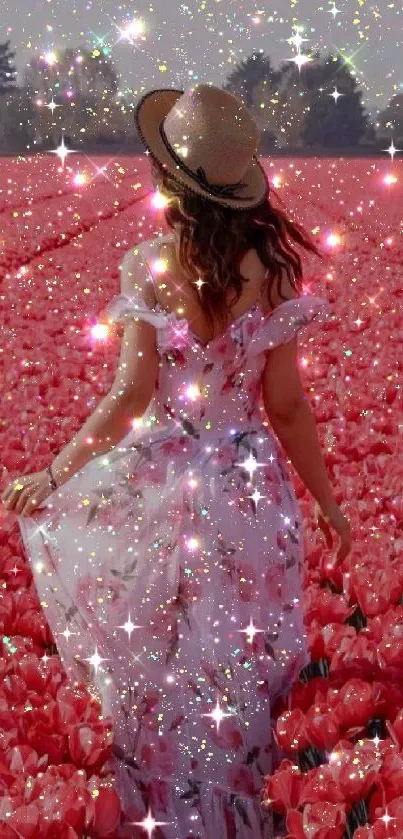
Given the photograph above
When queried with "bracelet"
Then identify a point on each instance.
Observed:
(52, 480)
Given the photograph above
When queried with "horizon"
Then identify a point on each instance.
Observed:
(203, 40)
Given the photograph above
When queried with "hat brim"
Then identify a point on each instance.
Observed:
(151, 112)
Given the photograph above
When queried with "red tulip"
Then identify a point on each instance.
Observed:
(325, 607)
(356, 704)
(90, 745)
(290, 732)
(30, 670)
(46, 742)
(321, 820)
(22, 759)
(106, 813)
(322, 727)
(60, 830)
(355, 771)
(320, 784)
(25, 821)
(283, 788)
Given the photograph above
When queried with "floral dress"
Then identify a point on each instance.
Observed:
(170, 572)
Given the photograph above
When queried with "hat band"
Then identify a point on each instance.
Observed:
(224, 191)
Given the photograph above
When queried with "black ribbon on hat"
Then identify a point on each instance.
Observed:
(226, 191)
(220, 191)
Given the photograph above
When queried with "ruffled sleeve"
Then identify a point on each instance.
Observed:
(287, 320)
(123, 309)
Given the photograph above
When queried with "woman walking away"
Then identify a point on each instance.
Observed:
(169, 553)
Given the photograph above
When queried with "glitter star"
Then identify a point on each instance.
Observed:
(95, 660)
(129, 626)
(199, 283)
(386, 818)
(52, 105)
(392, 150)
(250, 630)
(132, 31)
(300, 60)
(67, 633)
(336, 95)
(297, 40)
(256, 497)
(149, 824)
(334, 12)
(62, 151)
(250, 465)
(218, 715)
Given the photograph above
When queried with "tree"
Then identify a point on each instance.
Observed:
(71, 73)
(295, 104)
(283, 102)
(84, 85)
(330, 123)
(8, 72)
(16, 121)
(251, 72)
(390, 120)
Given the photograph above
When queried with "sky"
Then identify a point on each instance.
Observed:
(172, 44)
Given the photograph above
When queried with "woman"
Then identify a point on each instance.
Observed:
(171, 564)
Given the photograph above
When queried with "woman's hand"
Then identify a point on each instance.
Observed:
(334, 518)
(25, 494)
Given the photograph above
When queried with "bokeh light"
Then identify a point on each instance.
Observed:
(332, 240)
(100, 331)
(159, 201)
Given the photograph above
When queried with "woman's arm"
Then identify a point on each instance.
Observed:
(104, 429)
(299, 437)
(132, 390)
(291, 417)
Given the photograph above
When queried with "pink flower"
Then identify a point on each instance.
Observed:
(151, 699)
(229, 735)
(241, 780)
(156, 475)
(172, 446)
(225, 456)
(160, 795)
(273, 581)
(158, 756)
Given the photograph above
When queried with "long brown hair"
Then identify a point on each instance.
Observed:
(213, 239)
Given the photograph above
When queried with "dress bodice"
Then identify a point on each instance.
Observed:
(214, 386)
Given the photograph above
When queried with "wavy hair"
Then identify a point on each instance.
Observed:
(214, 238)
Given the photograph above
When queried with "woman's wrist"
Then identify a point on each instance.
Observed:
(51, 477)
(330, 508)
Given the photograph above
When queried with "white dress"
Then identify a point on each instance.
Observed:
(175, 564)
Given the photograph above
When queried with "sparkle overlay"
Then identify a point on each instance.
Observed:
(171, 570)
(168, 590)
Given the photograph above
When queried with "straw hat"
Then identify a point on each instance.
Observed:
(207, 140)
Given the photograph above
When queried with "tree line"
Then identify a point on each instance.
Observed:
(75, 94)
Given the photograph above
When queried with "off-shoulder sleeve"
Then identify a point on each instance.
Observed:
(287, 320)
(124, 308)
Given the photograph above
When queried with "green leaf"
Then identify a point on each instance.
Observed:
(70, 613)
(92, 513)
(242, 812)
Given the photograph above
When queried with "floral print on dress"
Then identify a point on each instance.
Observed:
(170, 572)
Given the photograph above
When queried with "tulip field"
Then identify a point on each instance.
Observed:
(339, 734)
